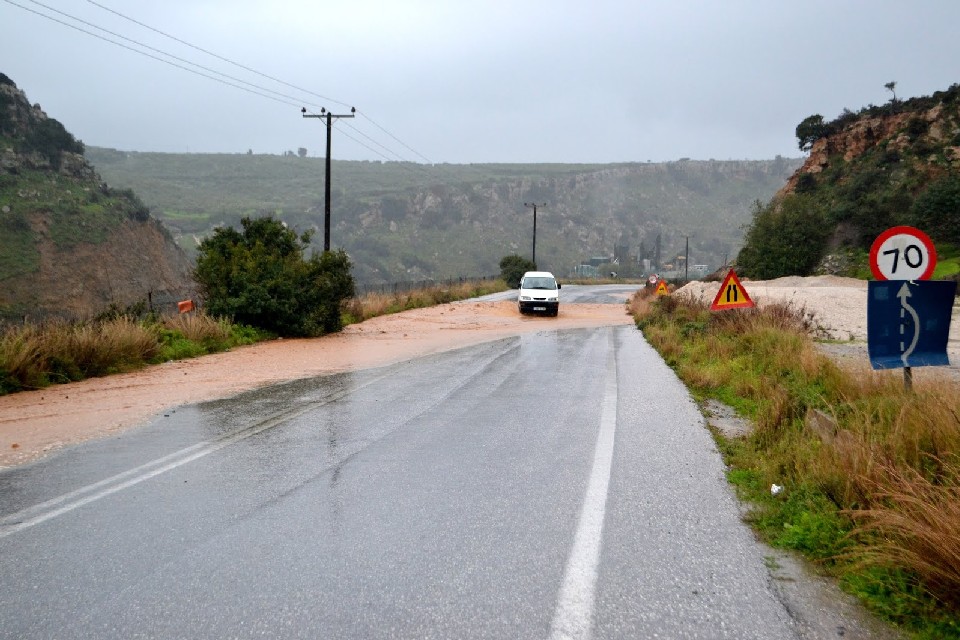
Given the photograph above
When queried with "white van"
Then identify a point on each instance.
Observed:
(539, 293)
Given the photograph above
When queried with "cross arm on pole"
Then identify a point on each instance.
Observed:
(326, 187)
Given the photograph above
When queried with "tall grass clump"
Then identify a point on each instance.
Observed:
(97, 349)
(871, 470)
(193, 334)
(914, 525)
(22, 359)
(33, 356)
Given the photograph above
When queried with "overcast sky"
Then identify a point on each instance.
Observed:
(475, 81)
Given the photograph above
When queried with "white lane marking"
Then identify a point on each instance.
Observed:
(573, 617)
(22, 519)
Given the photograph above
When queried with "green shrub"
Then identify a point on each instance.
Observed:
(786, 237)
(49, 138)
(259, 277)
(937, 210)
(512, 269)
(806, 183)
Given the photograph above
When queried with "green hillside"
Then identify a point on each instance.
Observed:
(405, 221)
(70, 244)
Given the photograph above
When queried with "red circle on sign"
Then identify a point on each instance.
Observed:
(908, 231)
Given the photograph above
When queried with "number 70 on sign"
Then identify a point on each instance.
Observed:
(903, 253)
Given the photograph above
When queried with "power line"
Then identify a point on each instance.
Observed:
(404, 163)
(229, 80)
(217, 56)
(395, 138)
(162, 52)
(148, 55)
(384, 147)
(263, 75)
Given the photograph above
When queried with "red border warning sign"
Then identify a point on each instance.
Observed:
(662, 289)
(903, 253)
(731, 295)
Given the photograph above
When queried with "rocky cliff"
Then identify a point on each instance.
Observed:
(898, 164)
(69, 244)
(931, 134)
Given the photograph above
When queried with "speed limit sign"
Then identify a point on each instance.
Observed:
(903, 253)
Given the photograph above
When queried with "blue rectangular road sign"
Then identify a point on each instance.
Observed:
(908, 323)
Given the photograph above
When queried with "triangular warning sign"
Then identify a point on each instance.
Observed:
(662, 288)
(732, 295)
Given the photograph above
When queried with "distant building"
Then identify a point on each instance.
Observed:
(596, 261)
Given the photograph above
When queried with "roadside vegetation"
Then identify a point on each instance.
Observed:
(34, 356)
(512, 269)
(259, 276)
(870, 472)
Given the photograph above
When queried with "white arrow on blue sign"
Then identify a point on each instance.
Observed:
(908, 323)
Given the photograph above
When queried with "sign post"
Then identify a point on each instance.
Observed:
(908, 323)
(908, 316)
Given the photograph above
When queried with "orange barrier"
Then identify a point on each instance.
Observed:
(185, 306)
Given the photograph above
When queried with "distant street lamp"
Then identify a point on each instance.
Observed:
(534, 205)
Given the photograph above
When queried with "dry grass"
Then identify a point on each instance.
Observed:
(22, 358)
(893, 464)
(99, 348)
(915, 526)
(33, 356)
(639, 303)
(198, 327)
(882, 424)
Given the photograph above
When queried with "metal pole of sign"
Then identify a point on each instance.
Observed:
(908, 379)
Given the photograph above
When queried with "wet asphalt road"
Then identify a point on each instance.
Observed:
(559, 484)
(577, 293)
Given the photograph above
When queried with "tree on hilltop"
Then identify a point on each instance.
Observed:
(890, 86)
(810, 130)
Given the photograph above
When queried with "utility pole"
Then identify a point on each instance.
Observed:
(326, 187)
(686, 260)
(534, 205)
